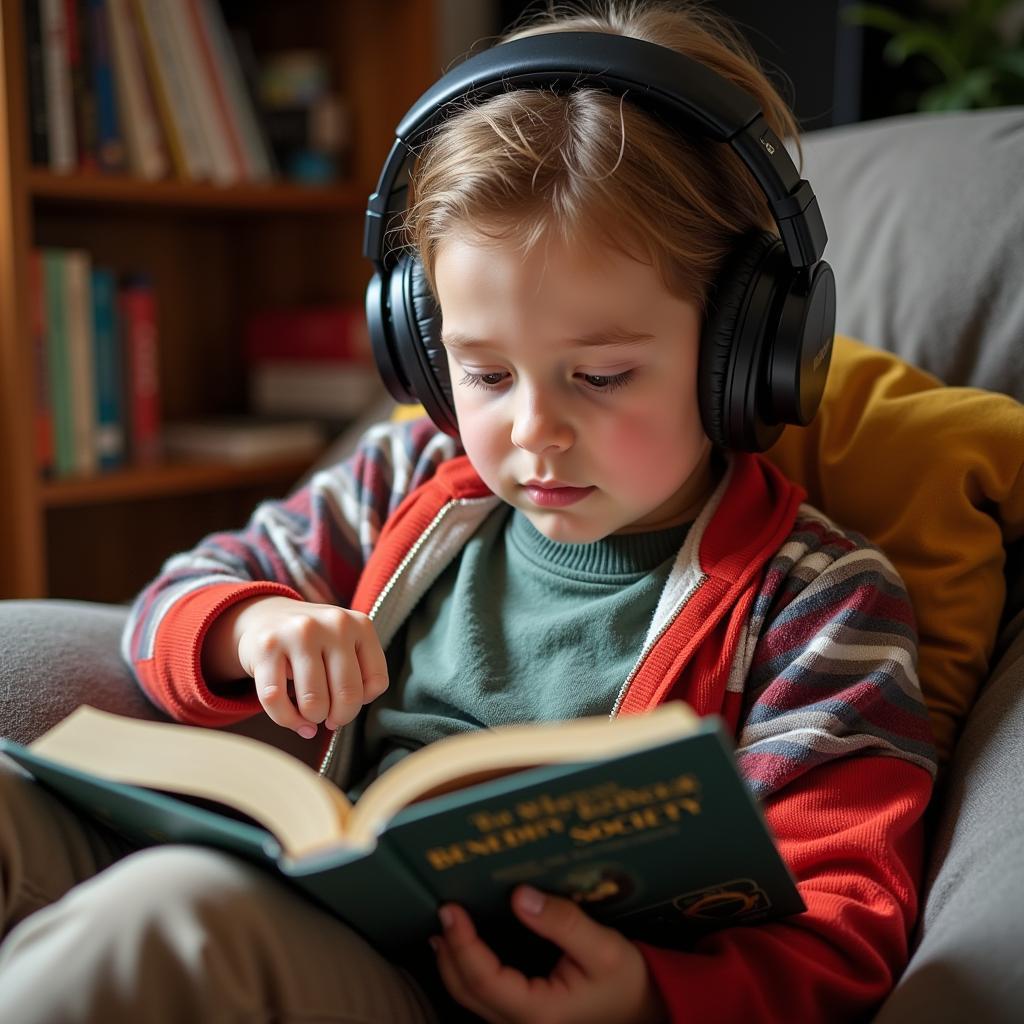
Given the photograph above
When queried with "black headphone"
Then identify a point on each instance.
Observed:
(767, 339)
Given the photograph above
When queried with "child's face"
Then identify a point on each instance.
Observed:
(586, 439)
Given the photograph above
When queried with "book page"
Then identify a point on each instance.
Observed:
(458, 761)
(302, 810)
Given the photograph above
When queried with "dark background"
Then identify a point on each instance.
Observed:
(829, 72)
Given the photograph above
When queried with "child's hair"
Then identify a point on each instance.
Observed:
(588, 166)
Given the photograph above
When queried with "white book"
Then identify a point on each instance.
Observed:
(147, 155)
(254, 144)
(60, 112)
(201, 96)
(242, 440)
(81, 364)
(176, 99)
(333, 391)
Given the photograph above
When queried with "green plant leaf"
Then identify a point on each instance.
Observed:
(926, 41)
(874, 16)
(1010, 61)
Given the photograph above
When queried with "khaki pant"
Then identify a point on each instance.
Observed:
(94, 929)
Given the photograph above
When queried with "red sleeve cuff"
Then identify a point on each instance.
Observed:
(173, 677)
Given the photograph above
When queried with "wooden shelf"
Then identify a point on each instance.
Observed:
(121, 191)
(141, 482)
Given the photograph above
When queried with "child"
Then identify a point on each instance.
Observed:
(574, 246)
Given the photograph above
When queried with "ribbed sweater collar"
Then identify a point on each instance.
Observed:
(620, 556)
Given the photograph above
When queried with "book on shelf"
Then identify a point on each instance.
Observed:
(108, 371)
(83, 98)
(81, 358)
(58, 372)
(43, 415)
(39, 141)
(189, 155)
(324, 333)
(226, 69)
(242, 440)
(84, 392)
(147, 149)
(60, 117)
(137, 314)
(111, 153)
(645, 821)
(332, 391)
(144, 85)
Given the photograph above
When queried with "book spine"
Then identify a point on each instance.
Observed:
(81, 367)
(188, 152)
(240, 46)
(57, 362)
(147, 155)
(82, 94)
(330, 334)
(37, 325)
(227, 118)
(110, 147)
(59, 110)
(257, 149)
(39, 142)
(337, 392)
(137, 313)
(201, 95)
(110, 440)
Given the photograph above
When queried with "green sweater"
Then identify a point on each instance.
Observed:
(519, 628)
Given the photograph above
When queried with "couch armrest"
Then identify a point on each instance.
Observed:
(56, 655)
(966, 964)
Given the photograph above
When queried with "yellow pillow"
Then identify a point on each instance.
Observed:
(934, 475)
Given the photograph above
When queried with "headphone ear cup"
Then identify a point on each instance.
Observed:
(416, 325)
(737, 328)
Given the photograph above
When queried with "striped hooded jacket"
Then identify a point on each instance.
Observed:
(798, 633)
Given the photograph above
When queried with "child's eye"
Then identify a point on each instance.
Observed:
(612, 382)
(487, 381)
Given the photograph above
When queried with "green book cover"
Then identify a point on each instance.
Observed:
(663, 843)
(57, 360)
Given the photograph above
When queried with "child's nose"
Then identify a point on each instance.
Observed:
(538, 424)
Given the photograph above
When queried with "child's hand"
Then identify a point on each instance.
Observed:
(332, 656)
(601, 979)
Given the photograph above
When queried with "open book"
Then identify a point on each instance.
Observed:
(643, 820)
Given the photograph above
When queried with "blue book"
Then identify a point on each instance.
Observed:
(110, 432)
(110, 144)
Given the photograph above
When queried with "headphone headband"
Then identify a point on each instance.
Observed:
(661, 81)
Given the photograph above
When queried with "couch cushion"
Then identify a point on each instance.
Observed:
(933, 475)
(964, 967)
(926, 238)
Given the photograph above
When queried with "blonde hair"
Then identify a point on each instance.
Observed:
(590, 166)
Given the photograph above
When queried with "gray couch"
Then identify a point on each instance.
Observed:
(926, 218)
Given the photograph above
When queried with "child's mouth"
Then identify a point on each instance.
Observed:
(547, 496)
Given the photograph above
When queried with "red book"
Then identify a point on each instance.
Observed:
(314, 334)
(37, 325)
(137, 310)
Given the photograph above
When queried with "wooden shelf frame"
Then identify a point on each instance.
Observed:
(137, 482)
(122, 191)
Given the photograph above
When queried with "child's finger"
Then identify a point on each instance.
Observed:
(345, 683)
(309, 680)
(270, 676)
(591, 945)
(479, 971)
(453, 980)
(373, 664)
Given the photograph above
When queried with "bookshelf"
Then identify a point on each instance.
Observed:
(215, 254)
